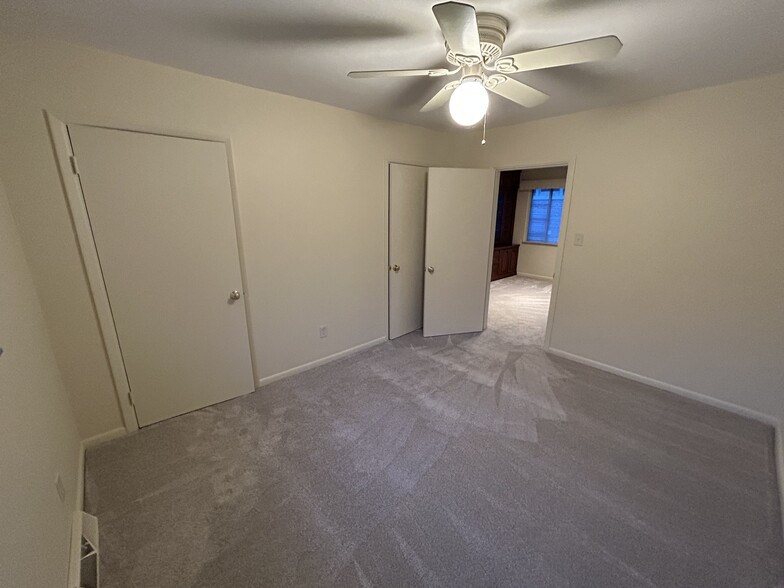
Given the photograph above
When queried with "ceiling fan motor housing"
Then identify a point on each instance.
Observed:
(492, 34)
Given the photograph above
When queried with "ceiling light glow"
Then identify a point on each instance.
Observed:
(468, 103)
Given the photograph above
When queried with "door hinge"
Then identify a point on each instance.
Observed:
(74, 167)
(130, 399)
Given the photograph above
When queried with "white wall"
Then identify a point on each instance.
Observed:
(311, 183)
(38, 435)
(534, 259)
(680, 199)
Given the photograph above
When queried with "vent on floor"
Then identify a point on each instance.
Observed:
(83, 571)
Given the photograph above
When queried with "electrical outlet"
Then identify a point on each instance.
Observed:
(578, 239)
(323, 331)
(58, 483)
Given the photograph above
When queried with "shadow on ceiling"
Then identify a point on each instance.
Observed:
(257, 29)
(576, 5)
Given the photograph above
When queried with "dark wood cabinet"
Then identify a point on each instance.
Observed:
(508, 184)
(504, 262)
(504, 252)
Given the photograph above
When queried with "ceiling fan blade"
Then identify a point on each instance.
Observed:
(515, 91)
(458, 25)
(441, 97)
(569, 54)
(399, 73)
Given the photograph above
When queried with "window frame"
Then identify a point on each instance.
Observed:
(546, 243)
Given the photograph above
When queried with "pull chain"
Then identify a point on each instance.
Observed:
(484, 129)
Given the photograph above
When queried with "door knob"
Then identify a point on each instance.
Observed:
(395, 268)
(235, 295)
(431, 269)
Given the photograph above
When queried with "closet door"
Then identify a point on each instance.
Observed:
(458, 248)
(162, 217)
(407, 192)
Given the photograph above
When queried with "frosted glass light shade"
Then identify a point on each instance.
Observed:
(468, 103)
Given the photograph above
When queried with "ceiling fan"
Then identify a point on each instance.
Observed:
(474, 44)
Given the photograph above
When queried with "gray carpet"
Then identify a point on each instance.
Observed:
(471, 460)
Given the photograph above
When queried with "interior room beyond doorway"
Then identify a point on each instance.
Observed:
(525, 248)
(528, 222)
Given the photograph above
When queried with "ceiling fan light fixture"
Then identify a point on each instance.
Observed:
(468, 103)
(474, 43)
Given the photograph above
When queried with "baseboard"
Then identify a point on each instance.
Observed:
(83, 446)
(535, 276)
(778, 426)
(80, 480)
(104, 437)
(779, 449)
(685, 392)
(313, 364)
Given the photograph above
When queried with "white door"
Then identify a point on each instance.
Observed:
(162, 218)
(407, 195)
(458, 248)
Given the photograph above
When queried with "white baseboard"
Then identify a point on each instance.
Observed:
(84, 445)
(310, 365)
(104, 437)
(80, 480)
(686, 393)
(779, 449)
(535, 276)
(778, 426)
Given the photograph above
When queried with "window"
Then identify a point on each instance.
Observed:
(544, 218)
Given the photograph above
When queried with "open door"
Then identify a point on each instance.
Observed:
(457, 249)
(407, 191)
(162, 219)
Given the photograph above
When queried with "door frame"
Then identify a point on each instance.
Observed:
(570, 167)
(493, 220)
(58, 132)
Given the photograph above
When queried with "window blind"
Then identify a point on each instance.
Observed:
(544, 219)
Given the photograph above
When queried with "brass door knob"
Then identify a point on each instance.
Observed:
(395, 268)
(431, 269)
(235, 295)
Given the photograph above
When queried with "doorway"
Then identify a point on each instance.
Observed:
(529, 213)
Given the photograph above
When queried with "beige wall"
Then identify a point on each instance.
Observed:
(537, 261)
(38, 435)
(311, 183)
(680, 199)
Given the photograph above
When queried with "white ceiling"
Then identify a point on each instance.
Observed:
(306, 47)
